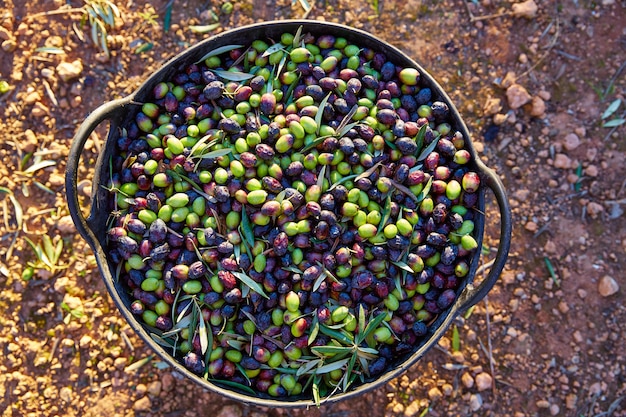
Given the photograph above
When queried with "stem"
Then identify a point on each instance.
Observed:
(55, 12)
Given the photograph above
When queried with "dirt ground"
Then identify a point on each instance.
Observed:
(534, 86)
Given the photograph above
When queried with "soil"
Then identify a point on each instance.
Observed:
(533, 86)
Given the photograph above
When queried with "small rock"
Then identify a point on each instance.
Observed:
(508, 80)
(492, 106)
(167, 382)
(542, 404)
(40, 110)
(608, 2)
(607, 286)
(29, 144)
(517, 96)
(142, 404)
(66, 394)
(527, 9)
(570, 401)
(531, 226)
(562, 161)
(467, 380)
(475, 402)
(154, 388)
(500, 118)
(70, 70)
(554, 410)
(435, 394)
(594, 209)
(85, 342)
(571, 141)
(230, 411)
(72, 302)
(61, 283)
(412, 409)
(65, 225)
(398, 408)
(484, 381)
(591, 171)
(563, 307)
(537, 107)
(56, 180)
(120, 363)
(32, 98)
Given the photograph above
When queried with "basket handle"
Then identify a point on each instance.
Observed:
(108, 111)
(474, 294)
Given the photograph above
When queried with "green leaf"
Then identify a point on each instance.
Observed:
(345, 129)
(296, 37)
(313, 144)
(320, 112)
(315, 328)
(304, 369)
(202, 332)
(233, 75)
(219, 51)
(331, 350)
(274, 48)
(39, 165)
(50, 50)
(425, 190)
(341, 181)
(361, 318)
(369, 171)
(347, 118)
(250, 283)
(371, 326)
(167, 19)
(137, 365)
(403, 266)
(419, 138)
(316, 391)
(319, 281)
(246, 228)
(612, 108)
(305, 5)
(321, 175)
(235, 385)
(385, 214)
(456, 340)
(614, 123)
(204, 28)
(216, 153)
(161, 341)
(428, 149)
(333, 366)
(337, 335)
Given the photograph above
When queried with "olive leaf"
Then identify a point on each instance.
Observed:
(203, 28)
(403, 266)
(235, 385)
(250, 283)
(428, 149)
(320, 113)
(297, 37)
(274, 48)
(385, 215)
(315, 328)
(233, 75)
(219, 51)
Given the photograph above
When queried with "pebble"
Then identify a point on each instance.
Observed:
(434, 394)
(120, 363)
(142, 404)
(467, 380)
(517, 96)
(29, 144)
(66, 394)
(570, 401)
(154, 388)
(231, 410)
(499, 119)
(72, 302)
(527, 9)
(32, 98)
(65, 225)
(484, 381)
(562, 161)
(607, 286)
(571, 141)
(508, 80)
(591, 171)
(475, 402)
(70, 70)
(61, 283)
(85, 341)
(40, 110)
(531, 226)
(56, 180)
(542, 404)
(537, 107)
(412, 409)
(594, 209)
(492, 106)
(167, 382)
(554, 410)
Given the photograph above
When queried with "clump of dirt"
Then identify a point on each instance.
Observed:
(542, 87)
